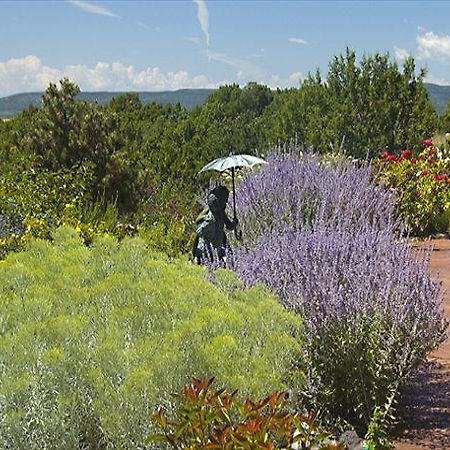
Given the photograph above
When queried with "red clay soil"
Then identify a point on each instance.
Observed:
(424, 409)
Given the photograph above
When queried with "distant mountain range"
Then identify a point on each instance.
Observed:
(189, 98)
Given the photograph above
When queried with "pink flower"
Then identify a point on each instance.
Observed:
(391, 158)
(424, 173)
(406, 153)
(414, 161)
(427, 142)
(431, 151)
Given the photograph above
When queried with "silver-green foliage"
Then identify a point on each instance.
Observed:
(93, 339)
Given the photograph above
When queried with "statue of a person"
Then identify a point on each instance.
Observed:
(210, 238)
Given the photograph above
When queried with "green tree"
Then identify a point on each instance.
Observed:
(298, 114)
(377, 105)
(232, 100)
(127, 101)
(362, 107)
(229, 119)
(65, 133)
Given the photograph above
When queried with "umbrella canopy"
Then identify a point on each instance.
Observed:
(231, 162)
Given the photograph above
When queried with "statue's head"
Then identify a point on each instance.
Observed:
(218, 198)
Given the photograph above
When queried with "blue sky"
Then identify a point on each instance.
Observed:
(166, 45)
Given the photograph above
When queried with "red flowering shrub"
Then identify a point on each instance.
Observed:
(422, 186)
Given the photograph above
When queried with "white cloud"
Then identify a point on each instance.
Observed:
(147, 27)
(293, 80)
(25, 74)
(400, 53)
(245, 69)
(93, 9)
(194, 40)
(296, 77)
(30, 74)
(203, 18)
(297, 41)
(433, 46)
(436, 80)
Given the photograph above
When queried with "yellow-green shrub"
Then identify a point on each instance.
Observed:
(94, 338)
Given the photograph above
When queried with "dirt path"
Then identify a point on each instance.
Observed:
(425, 407)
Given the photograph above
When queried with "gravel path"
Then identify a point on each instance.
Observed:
(424, 411)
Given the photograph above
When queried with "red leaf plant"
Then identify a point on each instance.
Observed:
(214, 419)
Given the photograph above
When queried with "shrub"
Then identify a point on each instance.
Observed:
(166, 219)
(216, 419)
(323, 239)
(422, 186)
(293, 194)
(33, 202)
(168, 234)
(93, 219)
(92, 338)
(372, 311)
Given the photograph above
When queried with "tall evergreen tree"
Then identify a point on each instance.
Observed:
(363, 107)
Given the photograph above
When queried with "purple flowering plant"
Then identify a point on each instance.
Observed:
(287, 192)
(324, 239)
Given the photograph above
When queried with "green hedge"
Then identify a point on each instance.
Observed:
(94, 339)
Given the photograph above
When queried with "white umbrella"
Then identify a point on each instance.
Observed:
(233, 161)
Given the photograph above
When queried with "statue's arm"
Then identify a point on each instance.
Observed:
(230, 224)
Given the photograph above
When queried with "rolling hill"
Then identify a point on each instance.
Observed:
(189, 98)
(440, 96)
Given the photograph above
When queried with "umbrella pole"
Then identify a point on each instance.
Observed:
(237, 234)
